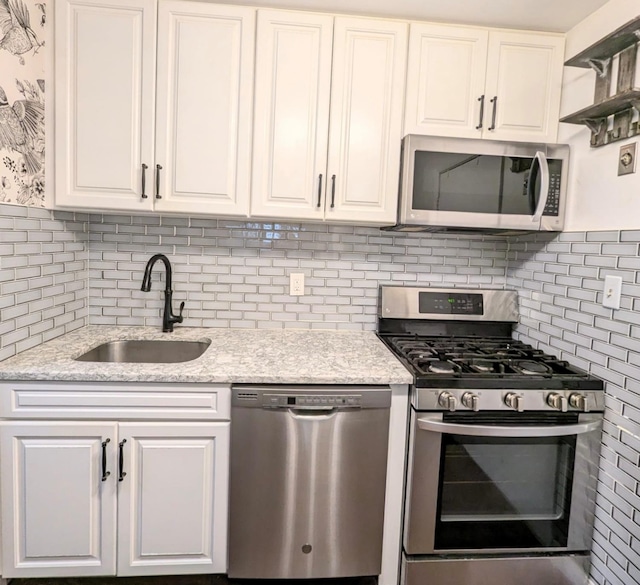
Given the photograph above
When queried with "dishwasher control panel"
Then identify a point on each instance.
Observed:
(345, 397)
(311, 401)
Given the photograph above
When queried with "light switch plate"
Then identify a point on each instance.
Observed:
(612, 292)
(627, 160)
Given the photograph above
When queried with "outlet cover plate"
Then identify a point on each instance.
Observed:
(612, 292)
(627, 160)
(296, 284)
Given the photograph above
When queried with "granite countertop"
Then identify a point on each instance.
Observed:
(235, 355)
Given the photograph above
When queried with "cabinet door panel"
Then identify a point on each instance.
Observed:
(204, 94)
(525, 72)
(58, 516)
(366, 119)
(446, 76)
(105, 102)
(173, 500)
(293, 76)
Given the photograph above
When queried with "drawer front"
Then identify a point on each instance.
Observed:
(52, 400)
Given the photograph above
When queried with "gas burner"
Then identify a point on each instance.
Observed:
(482, 366)
(531, 368)
(440, 367)
(414, 354)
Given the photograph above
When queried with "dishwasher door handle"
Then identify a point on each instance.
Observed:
(320, 412)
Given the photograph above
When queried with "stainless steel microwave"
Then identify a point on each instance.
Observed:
(462, 184)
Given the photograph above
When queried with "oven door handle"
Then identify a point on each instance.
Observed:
(436, 426)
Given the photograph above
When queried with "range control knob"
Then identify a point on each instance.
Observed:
(579, 401)
(513, 400)
(470, 400)
(447, 400)
(557, 401)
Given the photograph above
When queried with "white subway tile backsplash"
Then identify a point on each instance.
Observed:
(248, 264)
(607, 343)
(42, 254)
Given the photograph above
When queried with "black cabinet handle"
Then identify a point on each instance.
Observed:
(319, 190)
(144, 180)
(481, 100)
(105, 473)
(494, 101)
(158, 169)
(333, 191)
(121, 473)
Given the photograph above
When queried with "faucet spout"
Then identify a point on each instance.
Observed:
(168, 318)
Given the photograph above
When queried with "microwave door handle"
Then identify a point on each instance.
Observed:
(544, 186)
(437, 426)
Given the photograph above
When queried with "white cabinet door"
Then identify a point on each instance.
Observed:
(367, 99)
(172, 502)
(524, 73)
(204, 107)
(292, 91)
(104, 75)
(58, 515)
(478, 83)
(445, 80)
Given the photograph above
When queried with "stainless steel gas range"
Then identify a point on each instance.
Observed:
(503, 444)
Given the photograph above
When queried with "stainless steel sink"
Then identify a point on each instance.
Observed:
(146, 351)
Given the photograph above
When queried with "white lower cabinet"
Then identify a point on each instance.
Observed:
(58, 516)
(86, 498)
(172, 502)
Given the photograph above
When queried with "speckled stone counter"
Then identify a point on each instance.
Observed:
(235, 355)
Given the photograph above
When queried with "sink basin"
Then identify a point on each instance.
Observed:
(146, 351)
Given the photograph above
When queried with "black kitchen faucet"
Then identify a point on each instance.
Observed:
(168, 318)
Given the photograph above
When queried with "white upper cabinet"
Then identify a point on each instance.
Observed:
(114, 150)
(524, 78)
(445, 81)
(367, 100)
(204, 105)
(105, 76)
(312, 161)
(292, 89)
(475, 83)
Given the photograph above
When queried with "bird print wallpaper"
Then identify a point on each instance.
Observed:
(22, 92)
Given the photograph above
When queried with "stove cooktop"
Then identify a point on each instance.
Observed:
(484, 362)
(458, 344)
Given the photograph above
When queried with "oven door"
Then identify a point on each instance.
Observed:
(501, 482)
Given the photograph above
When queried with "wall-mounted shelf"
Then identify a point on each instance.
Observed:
(622, 105)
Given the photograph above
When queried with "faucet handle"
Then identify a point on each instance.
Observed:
(179, 318)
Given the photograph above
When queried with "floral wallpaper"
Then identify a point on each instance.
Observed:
(22, 90)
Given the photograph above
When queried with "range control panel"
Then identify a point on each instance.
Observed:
(450, 303)
(311, 401)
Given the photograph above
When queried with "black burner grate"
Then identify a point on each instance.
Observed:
(478, 357)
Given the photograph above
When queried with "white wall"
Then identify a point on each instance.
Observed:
(598, 198)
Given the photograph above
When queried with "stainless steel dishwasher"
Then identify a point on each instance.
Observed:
(307, 487)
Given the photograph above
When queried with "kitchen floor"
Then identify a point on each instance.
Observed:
(189, 580)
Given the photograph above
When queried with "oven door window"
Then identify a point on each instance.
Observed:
(502, 493)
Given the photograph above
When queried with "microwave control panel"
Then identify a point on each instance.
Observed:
(553, 202)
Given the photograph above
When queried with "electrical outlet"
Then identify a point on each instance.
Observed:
(612, 292)
(627, 160)
(296, 284)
